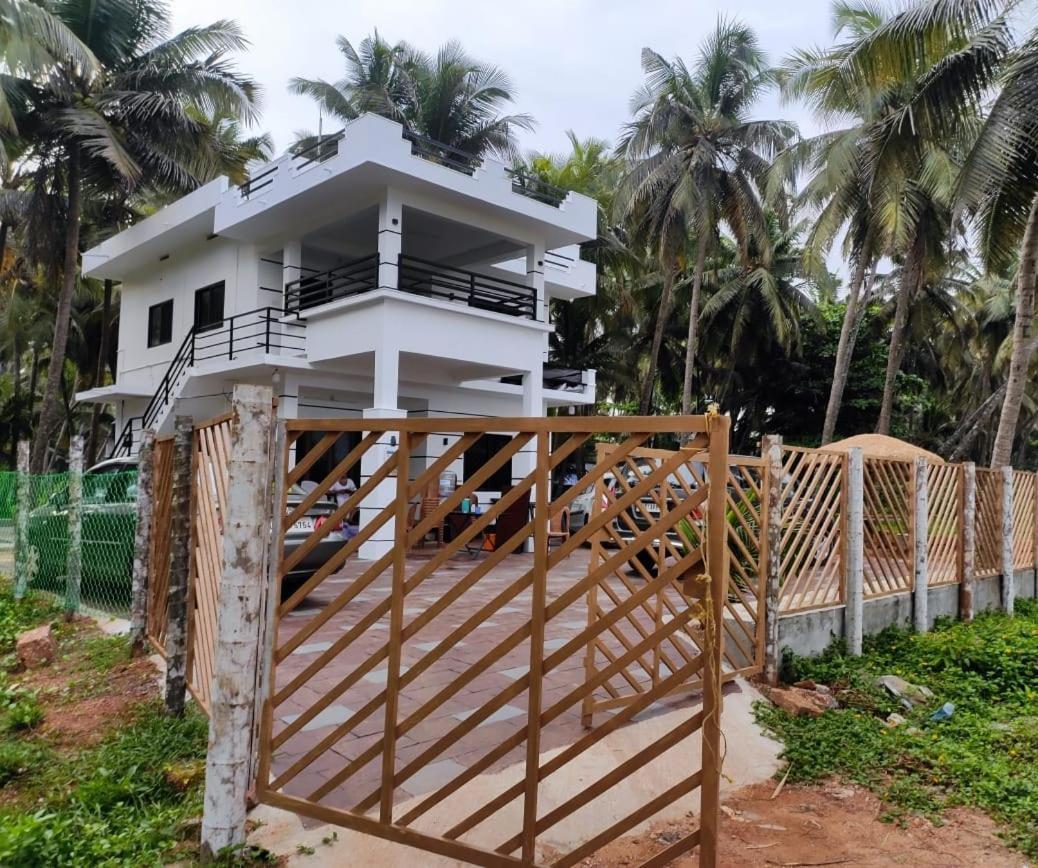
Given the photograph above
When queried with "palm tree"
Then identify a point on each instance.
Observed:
(132, 121)
(698, 160)
(448, 97)
(1000, 186)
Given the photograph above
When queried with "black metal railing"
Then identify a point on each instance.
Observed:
(558, 261)
(311, 290)
(442, 153)
(556, 379)
(321, 149)
(433, 280)
(533, 187)
(258, 181)
(261, 330)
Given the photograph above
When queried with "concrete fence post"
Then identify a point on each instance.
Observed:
(771, 513)
(179, 563)
(854, 604)
(21, 519)
(920, 537)
(240, 622)
(142, 543)
(1008, 571)
(74, 552)
(968, 530)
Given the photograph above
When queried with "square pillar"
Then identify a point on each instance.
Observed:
(384, 494)
(390, 239)
(291, 262)
(386, 383)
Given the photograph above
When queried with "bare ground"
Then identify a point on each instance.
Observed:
(833, 824)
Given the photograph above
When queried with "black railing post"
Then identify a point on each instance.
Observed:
(266, 339)
(230, 338)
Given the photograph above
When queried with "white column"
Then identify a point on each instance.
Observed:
(854, 608)
(384, 406)
(969, 541)
(771, 452)
(291, 262)
(1008, 572)
(390, 238)
(535, 279)
(921, 585)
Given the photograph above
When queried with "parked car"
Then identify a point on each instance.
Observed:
(298, 533)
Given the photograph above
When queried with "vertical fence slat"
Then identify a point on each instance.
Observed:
(179, 555)
(74, 553)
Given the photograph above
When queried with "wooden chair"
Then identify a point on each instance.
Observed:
(430, 503)
(558, 527)
(511, 520)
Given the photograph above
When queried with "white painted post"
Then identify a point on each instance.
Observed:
(771, 451)
(74, 552)
(1008, 571)
(969, 541)
(142, 544)
(854, 608)
(239, 620)
(179, 561)
(920, 535)
(21, 519)
(390, 240)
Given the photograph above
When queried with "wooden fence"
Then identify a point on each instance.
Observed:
(814, 491)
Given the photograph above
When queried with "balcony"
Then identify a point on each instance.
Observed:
(415, 276)
(321, 149)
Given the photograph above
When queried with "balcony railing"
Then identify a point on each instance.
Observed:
(260, 331)
(433, 280)
(556, 379)
(317, 151)
(533, 187)
(442, 154)
(318, 288)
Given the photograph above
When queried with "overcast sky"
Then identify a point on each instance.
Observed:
(574, 63)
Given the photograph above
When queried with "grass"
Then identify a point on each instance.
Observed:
(122, 801)
(985, 756)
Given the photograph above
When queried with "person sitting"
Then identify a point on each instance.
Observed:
(342, 490)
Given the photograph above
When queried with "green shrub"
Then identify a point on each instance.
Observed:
(985, 756)
(18, 757)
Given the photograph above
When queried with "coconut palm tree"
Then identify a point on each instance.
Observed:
(132, 121)
(449, 96)
(697, 161)
(999, 185)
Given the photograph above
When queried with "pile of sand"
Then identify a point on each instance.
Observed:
(881, 446)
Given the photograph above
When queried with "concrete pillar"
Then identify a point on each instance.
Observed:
(74, 552)
(390, 239)
(855, 566)
(1008, 572)
(535, 278)
(771, 513)
(291, 262)
(386, 385)
(920, 537)
(142, 544)
(239, 621)
(384, 494)
(968, 529)
(179, 566)
(21, 518)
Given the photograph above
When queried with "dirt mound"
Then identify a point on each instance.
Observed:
(881, 446)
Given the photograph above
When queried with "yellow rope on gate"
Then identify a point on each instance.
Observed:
(703, 611)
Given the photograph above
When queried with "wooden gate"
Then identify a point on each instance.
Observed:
(212, 445)
(682, 486)
(159, 540)
(430, 692)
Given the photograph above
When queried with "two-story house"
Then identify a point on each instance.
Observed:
(376, 273)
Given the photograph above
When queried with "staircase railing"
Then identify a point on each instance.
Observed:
(263, 329)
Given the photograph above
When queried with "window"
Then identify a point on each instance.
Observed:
(160, 323)
(209, 307)
(480, 452)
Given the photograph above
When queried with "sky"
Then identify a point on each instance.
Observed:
(574, 63)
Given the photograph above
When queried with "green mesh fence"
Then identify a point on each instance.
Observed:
(46, 559)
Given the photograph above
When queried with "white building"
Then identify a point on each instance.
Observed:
(377, 274)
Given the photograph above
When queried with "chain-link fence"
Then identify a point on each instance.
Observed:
(40, 552)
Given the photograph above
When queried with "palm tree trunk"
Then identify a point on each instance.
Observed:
(51, 411)
(1023, 345)
(102, 359)
(3, 242)
(912, 277)
(844, 351)
(16, 417)
(957, 446)
(645, 405)
(692, 346)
